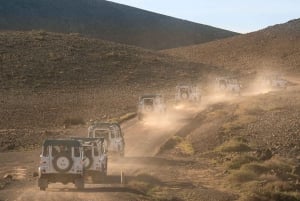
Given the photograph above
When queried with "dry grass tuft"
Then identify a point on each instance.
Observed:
(241, 176)
(171, 143)
(186, 148)
(238, 161)
(234, 145)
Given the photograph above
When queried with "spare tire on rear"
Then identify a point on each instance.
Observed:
(88, 161)
(62, 163)
(184, 95)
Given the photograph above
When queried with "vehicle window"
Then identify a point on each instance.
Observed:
(87, 151)
(102, 134)
(96, 151)
(148, 101)
(55, 150)
(46, 151)
(61, 149)
(76, 152)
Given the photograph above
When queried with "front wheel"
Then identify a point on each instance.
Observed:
(140, 117)
(43, 184)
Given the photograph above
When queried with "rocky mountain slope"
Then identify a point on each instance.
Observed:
(276, 47)
(48, 60)
(47, 78)
(106, 20)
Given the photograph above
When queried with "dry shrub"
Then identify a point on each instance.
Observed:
(234, 146)
(255, 167)
(171, 143)
(278, 164)
(279, 186)
(237, 162)
(186, 148)
(241, 176)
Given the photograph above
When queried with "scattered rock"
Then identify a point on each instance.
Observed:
(8, 177)
(35, 174)
(264, 154)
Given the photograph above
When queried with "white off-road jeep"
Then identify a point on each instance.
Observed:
(95, 157)
(150, 104)
(228, 85)
(187, 93)
(112, 134)
(275, 81)
(61, 161)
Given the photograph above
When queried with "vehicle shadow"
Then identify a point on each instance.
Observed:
(112, 185)
(152, 161)
(98, 189)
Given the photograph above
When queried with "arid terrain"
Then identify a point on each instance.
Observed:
(228, 147)
(273, 48)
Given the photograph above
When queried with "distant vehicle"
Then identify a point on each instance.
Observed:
(187, 93)
(275, 81)
(228, 85)
(94, 157)
(150, 104)
(61, 161)
(112, 134)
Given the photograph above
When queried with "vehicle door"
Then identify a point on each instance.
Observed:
(46, 158)
(113, 140)
(118, 138)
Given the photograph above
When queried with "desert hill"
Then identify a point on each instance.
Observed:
(107, 21)
(40, 59)
(47, 78)
(276, 47)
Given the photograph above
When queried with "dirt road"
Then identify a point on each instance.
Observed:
(143, 140)
(140, 164)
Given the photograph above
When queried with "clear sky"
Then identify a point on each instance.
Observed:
(236, 15)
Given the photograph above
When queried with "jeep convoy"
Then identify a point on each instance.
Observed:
(71, 160)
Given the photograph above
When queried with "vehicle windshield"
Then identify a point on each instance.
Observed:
(101, 133)
(184, 90)
(148, 101)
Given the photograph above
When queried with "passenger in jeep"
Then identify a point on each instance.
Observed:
(61, 149)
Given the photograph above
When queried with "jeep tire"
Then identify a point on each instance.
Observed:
(43, 184)
(140, 116)
(62, 163)
(79, 183)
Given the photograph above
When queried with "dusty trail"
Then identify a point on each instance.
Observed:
(143, 140)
